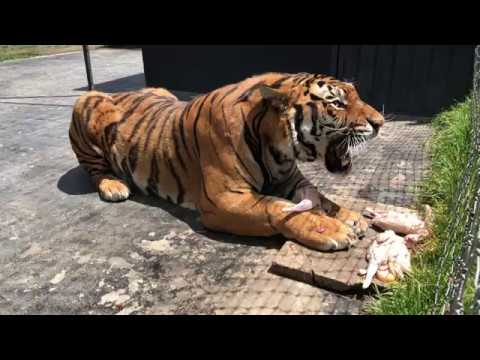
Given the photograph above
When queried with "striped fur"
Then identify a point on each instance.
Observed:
(231, 154)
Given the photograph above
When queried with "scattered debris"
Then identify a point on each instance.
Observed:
(134, 281)
(129, 310)
(34, 249)
(84, 259)
(119, 263)
(117, 297)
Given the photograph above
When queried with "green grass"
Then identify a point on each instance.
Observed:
(448, 147)
(10, 52)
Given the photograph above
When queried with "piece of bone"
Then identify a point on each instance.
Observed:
(303, 205)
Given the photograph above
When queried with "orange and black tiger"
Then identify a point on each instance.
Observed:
(231, 153)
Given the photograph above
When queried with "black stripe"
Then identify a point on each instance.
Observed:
(134, 106)
(195, 123)
(294, 189)
(91, 107)
(141, 121)
(110, 133)
(177, 149)
(94, 164)
(248, 132)
(253, 186)
(206, 193)
(79, 128)
(181, 125)
(80, 148)
(228, 92)
(277, 84)
(119, 99)
(247, 93)
(279, 157)
(259, 117)
(298, 123)
(260, 199)
(152, 179)
(133, 157)
(314, 118)
(126, 171)
(301, 77)
(152, 124)
(256, 151)
(227, 128)
(236, 191)
(181, 191)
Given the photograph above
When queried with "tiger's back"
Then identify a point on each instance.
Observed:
(134, 136)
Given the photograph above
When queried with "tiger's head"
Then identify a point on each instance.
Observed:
(326, 119)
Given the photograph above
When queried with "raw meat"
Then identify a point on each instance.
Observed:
(388, 258)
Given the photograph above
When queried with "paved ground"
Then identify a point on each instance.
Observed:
(62, 250)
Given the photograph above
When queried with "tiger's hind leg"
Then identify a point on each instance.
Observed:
(92, 113)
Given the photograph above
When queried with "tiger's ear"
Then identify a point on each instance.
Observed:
(278, 99)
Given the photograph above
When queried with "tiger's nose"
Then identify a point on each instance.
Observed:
(376, 122)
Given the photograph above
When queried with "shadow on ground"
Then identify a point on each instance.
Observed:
(77, 182)
(127, 83)
(133, 83)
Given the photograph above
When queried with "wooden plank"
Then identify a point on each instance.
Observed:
(337, 271)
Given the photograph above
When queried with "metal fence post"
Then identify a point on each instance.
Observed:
(86, 56)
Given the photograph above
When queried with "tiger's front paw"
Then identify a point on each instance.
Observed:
(113, 190)
(320, 232)
(354, 220)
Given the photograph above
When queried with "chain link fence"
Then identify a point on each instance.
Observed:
(459, 268)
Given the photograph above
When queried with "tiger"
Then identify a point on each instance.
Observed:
(231, 154)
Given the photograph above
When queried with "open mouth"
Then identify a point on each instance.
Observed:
(337, 156)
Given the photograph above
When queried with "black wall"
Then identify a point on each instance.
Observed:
(405, 79)
(416, 80)
(200, 68)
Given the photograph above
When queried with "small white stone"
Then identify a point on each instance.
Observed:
(34, 249)
(52, 289)
(159, 246)
(151, 234)
(81, 295)
(116, 297)
(119, 263)
(58, 278)
(136, 256)
(84, 259)
(129, 310)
